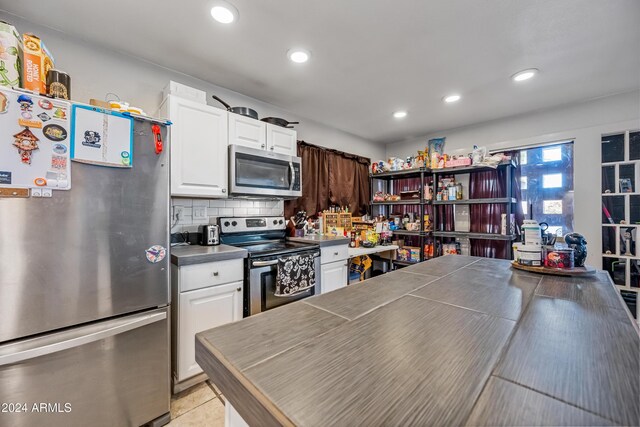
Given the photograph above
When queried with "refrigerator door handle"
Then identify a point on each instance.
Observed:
(43, 346)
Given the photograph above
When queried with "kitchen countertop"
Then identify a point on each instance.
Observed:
(455, 340)
(321, 240)
(354, 252)
(196, 254)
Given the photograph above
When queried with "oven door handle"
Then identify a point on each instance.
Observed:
(264, 263)
(292, 175)
(275, 261)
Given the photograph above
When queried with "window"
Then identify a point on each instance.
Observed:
(546, 186)
(553, 154)
(552, 180)
(552, 207)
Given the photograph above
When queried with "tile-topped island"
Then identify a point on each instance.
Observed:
(452, 341)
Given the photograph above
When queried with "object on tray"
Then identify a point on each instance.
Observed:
(557, 258)
(577, 242)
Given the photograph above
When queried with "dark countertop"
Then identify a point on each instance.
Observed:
(321, 240)
(452, 341)
(196, 254)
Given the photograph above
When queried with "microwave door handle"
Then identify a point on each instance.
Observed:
(293, 175)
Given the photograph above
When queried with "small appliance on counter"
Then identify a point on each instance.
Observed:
(209, 235)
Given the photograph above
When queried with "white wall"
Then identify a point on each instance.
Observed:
(584, 122)
(95, 71)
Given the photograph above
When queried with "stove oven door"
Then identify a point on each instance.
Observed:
(260, 295)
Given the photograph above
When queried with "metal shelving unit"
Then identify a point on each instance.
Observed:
(425, 173)
(509, 200)
(389, 177)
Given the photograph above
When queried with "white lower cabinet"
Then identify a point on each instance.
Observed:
(198, 311)
(334, 267)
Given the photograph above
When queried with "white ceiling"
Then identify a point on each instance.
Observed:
(372, 57)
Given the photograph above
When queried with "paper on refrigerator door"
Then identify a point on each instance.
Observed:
(101, 137)
(34, 141)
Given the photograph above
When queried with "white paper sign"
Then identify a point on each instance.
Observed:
(101, 137)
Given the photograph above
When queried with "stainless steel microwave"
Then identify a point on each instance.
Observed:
(263, 174)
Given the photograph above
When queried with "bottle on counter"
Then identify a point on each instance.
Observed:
(352, 243)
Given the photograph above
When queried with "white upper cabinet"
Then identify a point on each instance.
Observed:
(247, 132)
(198, 148)
(281, 140)
(257, 134)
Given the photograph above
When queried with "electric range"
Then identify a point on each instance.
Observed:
(265, 240)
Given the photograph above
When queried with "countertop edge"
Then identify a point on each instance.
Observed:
(202, 258)
(322, 241)
(207, 356)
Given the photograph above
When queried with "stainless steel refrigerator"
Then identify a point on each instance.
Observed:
(84, 335)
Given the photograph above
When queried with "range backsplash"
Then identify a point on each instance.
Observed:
(218, 207)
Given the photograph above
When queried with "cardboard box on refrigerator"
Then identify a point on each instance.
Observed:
(10, 55)
(37, 62)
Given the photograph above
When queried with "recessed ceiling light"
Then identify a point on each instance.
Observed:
(224, 12)
(451, 98)
(524, 75)
(299, 56)
(400, 114)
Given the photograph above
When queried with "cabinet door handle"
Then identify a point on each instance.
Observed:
(262, 146)
(271, 148)
(215, 273)
(238, 289)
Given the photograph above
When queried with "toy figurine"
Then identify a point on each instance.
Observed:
(577, 242)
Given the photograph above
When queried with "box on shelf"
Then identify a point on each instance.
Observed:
(410, 195)
(409, 254)
(508, 225)
(37, 62)
(184, 91)
(11, 45)
(464, 161)
(461, 218)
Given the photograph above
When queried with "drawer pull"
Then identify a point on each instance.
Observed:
(215, 273)
(335, 254)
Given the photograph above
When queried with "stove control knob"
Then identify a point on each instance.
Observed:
(281, 222)
(234, 223)
(226, 223)
(275, 222)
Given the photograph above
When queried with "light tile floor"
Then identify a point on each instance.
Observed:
(200, 405)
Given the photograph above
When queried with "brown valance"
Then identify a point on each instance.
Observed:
(331, 177)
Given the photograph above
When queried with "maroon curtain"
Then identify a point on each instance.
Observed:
(486, 218)
(331, 177)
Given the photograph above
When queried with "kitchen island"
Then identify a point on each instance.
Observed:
(452, 341)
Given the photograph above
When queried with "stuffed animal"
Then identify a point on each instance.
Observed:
(577, 242)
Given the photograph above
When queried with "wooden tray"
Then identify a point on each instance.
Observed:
(576, 271)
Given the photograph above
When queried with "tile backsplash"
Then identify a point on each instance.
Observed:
(221, 207)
